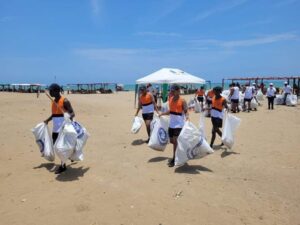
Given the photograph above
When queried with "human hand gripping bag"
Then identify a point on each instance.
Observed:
(66, 141)
(82, 136)
(191, 144)
(44, 141)
(136, 125)
(159, 135)
(230, 126)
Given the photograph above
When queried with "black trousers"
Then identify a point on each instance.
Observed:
(54, 137)
(271, 102)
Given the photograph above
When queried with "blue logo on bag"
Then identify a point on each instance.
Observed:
(162, 136)
(41, 145)
(78, 129)
(191, 153)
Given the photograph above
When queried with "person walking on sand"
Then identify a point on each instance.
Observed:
(218, 104)
(287, 90)
(178, 112)
(200, 95)
(148, 105)
(60, 105)
(234, 96)
(271, 94)
(209, 96)
(249, 92)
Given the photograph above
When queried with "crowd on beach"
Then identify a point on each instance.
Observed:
(213, 103)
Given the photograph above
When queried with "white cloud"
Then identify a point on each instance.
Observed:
(219, 8)
(158, 34)
(247, 42)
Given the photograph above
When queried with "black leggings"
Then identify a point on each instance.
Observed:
(54, 137)
(271, 102)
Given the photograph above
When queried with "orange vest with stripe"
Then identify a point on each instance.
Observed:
(58, 107)
(217, 104)
(176, 107)
(200, 92)
(146, 99)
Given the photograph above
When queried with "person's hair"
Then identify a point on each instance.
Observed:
(201, 87)
(217, 89)
(175, 87)
(142, 87)
(54, 87)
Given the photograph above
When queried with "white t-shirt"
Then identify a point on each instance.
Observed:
(287, 89)
(248, 93)
(236, 93)
(271, 92)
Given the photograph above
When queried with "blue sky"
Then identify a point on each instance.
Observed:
(121, 41)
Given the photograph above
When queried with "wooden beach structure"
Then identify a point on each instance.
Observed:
(294, 81)
(91, 88)
(22, 88)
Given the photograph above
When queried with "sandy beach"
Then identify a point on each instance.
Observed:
(122, 181)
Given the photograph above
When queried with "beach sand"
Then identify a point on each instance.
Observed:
(122, 181)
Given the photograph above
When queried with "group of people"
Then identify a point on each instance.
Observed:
(178, 112)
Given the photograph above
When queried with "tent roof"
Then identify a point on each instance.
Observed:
(170, 75)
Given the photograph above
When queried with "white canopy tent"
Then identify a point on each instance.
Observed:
(170, 76)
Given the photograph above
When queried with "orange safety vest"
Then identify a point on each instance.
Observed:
(211, 94)
(176, 108)
(58, 107)
(146, 99)
(200, 92)
(217, 104)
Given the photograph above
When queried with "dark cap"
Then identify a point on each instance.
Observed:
(142, 88)
(175, 87)
(54, 87)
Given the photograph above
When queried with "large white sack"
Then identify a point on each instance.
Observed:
(66, 141)
(230, 125)
(44, 141)
(191, 145)
(159, 136)
(253, 104)
(202, 125)
(82, 136)
(191, 103)
(260, 95)
(279, 100)
(136, 125)
(165, 107)
(291, 100)
(197, 106)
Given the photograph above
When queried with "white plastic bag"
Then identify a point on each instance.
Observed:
(202, 125)
(278, 100)
(82, 136)
(197, 106)
(44, 141)
(66, 141)
(191, 145)
(136, 125)
(260, 95)
(291, 100)
(230, 125)
(253, 104)
(165, 107)
(159, 136)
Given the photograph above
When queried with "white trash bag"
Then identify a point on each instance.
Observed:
(291, 100)
(82, 136)
(136, 125)
(159, 136)
(66, 141)
(197, 106)
(260, 95)
(253, 104)
(230, 125)
(44, 141)
(202, 125)
(191, 145)
(165, 107)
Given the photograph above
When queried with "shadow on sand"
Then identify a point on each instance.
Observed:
(48, 166)
(226, 153)
(72, 174)
(193, 169)
(138, 142)
(157, 159)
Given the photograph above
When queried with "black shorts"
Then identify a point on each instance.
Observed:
(217, 122)
(200, 98)
(235, 101)
(247, 99)
(208, 101)
(174, 132)
(147, 116)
